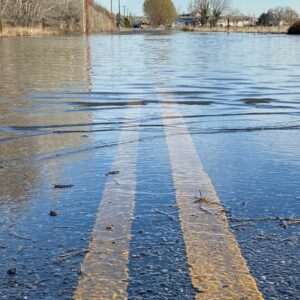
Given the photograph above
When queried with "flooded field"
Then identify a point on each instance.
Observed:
(98, 139)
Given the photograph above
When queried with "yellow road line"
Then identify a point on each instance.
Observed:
(217, 268)
(105, 267)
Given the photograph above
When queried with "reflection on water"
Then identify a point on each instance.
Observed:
(62, 95)
(30, 67)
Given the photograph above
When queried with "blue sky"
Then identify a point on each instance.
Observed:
(245, 6)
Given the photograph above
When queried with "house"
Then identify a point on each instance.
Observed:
(236, 21)
(186, 21)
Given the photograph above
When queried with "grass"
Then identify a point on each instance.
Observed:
(8, 31)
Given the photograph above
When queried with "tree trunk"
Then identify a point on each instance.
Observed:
(1, 29)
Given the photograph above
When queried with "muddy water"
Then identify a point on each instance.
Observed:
(62, 106)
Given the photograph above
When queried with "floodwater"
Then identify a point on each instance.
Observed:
(63, 104)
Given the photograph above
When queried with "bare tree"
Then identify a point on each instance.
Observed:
(285, 14)
(209, 10)
(218, 7)
(3, 6)
(202, 9)
(277, 15)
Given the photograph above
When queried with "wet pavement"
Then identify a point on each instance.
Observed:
(63, 104)
(271, 248)
(157, 262)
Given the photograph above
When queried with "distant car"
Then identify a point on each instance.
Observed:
(142, 25)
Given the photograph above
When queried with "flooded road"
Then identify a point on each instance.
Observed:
(136, 125)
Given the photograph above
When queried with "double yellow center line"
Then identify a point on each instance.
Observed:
(217, 268)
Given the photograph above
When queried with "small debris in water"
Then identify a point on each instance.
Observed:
(18, 236)
(173, 206)
(62, 186)
(19, 249)
(12, 271)
(293, 222)
(265, 238)
(203, 200)
(52, 213)
(163, 213)
(283, 224)
(109, 227)
(112, 173)
(69, 255)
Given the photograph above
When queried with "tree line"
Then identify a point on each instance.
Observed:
(209, 12)
(278, 14)
(163, 12)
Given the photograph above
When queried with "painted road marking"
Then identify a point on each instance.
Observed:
(105, 267)
(217, 268)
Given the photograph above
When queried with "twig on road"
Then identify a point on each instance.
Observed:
(69, 255)
(265, 219)
(19, 249)
(203, 200)
(283, 222)
(18, 236)
(293, 222)
(163, 213)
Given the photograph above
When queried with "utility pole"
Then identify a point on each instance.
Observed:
(111, 16)
(87, 10)
(124, 11)
(85, 16)
(119, 21)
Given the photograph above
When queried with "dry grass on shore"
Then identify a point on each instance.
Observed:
(246, 29)
(8, 31)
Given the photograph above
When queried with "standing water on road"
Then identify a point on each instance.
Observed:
(65, 103)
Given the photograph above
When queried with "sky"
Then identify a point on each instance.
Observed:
(247, 7)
